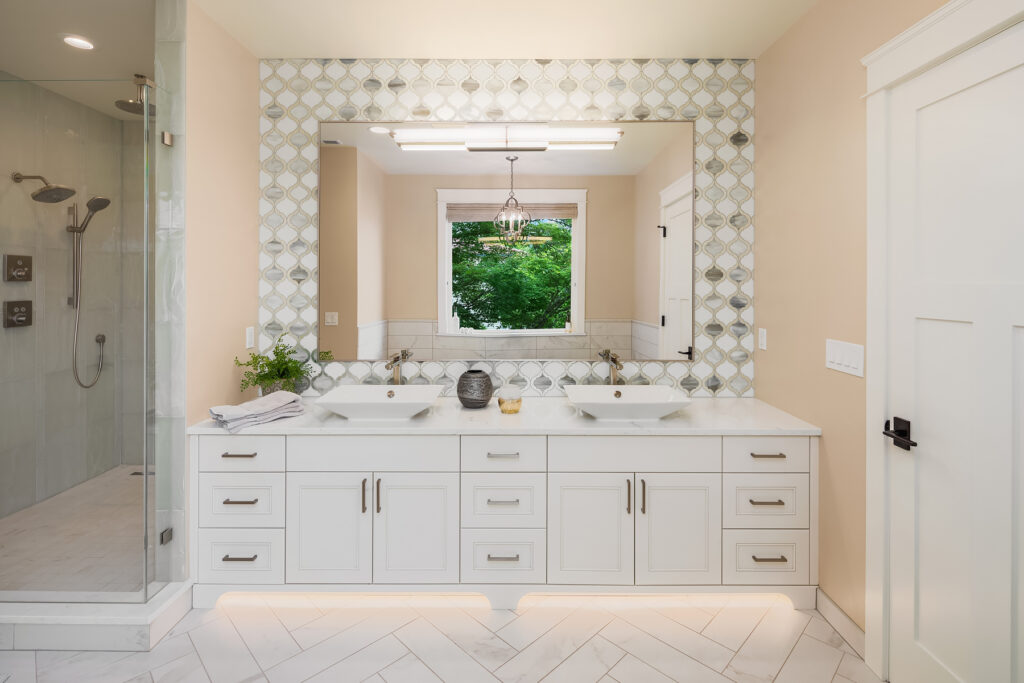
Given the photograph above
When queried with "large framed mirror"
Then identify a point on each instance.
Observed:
(524, 240)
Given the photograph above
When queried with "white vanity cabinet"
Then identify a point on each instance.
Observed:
(700, 503)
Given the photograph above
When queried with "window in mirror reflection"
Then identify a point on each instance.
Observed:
(526, 286)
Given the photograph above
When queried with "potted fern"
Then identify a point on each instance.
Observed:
(280, 370)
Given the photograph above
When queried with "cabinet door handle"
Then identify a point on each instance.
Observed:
(502, 558)
(364, 496)
(228, 558)
(502, 455)
(228, 501)
(767, 502)
(237, 455)
(643, 496)
(773, 456)
(780, 558)
(629, 496)
(378, 496)
(514, 501)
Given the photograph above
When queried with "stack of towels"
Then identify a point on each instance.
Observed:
(264, 409)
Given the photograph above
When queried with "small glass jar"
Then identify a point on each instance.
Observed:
(510, 399)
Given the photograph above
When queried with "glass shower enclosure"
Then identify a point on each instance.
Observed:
(81, 505)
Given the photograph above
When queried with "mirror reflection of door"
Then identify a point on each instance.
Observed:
(676, 339)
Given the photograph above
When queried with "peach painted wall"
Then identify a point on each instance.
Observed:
(411, 274)
(672, 163)
(222, 226)
(339, 245)
(810, 250)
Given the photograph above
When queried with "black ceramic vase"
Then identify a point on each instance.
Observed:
(474, 388)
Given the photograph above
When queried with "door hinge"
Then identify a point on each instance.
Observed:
(663, 321)
(664, 230)
(688, 353)
(166, 535)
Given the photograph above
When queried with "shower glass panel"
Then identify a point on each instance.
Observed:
(78, 491)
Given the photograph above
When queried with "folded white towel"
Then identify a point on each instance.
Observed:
(275, 406)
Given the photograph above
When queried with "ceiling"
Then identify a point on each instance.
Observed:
(471, 29)
(640, 143)
(32, 47)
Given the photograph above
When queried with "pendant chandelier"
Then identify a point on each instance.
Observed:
(511, 219)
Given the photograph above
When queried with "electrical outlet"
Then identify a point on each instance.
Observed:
(250, 337)
(330, 318)
(762, 339)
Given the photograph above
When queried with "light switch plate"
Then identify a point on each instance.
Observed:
(762, 339)
(330, 318)
(250, 337)
(844, 357)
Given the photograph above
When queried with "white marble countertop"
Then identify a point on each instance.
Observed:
(554, 416)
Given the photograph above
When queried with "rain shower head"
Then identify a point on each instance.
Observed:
(137, 106)
(48, 193)
(94, 205)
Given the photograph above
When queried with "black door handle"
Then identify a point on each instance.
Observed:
(899, 433)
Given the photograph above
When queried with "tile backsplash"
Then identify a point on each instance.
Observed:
(716, 94)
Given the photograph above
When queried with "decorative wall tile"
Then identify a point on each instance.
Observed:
(716, 94)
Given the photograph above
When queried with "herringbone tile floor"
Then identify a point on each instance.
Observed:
(282, 638)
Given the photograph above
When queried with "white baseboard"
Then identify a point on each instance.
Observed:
(844, 625)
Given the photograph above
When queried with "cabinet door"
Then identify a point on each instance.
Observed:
(416, 527)
(590, 528)
(329, 527)
(679, 529)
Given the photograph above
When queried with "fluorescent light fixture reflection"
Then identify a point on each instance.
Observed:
(518, 138)
(78, 42)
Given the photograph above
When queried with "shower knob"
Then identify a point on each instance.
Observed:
(17, 268)
(17, 313)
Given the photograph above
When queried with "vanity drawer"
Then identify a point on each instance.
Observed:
(766, 453)
(504, 500)
(765, 501)
(770, 557)
(249, 556)
(244, 499)
(241, 453)
(503, 556)
(504, 453)
(373, 453)
(635, 453)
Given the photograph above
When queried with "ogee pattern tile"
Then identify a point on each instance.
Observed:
(716, 94)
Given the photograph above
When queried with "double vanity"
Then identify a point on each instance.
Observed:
(720, 496)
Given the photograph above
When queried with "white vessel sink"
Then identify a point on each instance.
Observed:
(380, 401)
(626, 403)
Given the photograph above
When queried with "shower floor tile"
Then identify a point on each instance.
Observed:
(87, 539)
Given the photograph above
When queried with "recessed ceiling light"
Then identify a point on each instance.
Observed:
(79, 42)
(380, 130)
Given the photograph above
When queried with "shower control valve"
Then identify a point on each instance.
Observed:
(17, 268)
(17, 313)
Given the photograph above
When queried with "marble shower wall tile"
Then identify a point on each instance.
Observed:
(717, 95)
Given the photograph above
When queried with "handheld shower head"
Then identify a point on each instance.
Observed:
(48, 193)
(94, 205)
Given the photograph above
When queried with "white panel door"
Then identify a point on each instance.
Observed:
(416, 527)
(956, 324)
(329, 527)
(679, 529)
(590, 528)
(677, 269)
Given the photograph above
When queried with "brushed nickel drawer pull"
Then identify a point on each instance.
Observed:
(228, 558)
(780, 558)
(502, 558)
(228, 501)
(364, 496)
(378, 496)
(774, 456)
(767, 502)
(514, 501)
(643, 496)
(238, 455)
(502, 455)
(629, 496)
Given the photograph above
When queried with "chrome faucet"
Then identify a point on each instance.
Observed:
(395, 365)
(614, 365)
